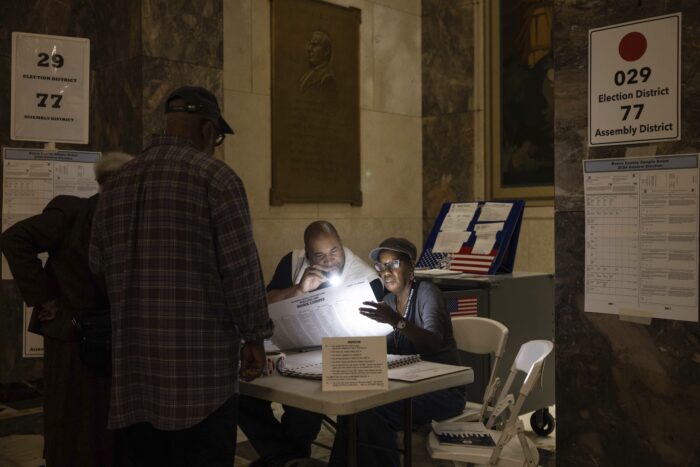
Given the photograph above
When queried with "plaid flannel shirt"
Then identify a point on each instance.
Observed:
(172, 236)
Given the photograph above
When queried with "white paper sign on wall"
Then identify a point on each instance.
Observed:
(50, 88)
(634, 82)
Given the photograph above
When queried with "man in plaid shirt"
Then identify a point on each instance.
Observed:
(172, 236)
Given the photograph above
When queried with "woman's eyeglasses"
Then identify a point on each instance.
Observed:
(388, 266)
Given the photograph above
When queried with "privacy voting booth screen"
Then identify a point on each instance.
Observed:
(474, 238)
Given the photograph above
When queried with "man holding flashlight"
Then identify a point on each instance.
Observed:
(323, 262)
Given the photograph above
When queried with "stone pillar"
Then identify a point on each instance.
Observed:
(627, 394)
(447, 30)
(140, 51)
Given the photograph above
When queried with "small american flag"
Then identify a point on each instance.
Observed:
(466, 306)
(464, 261)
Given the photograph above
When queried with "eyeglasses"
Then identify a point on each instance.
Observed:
(389, 266)
(219, 139)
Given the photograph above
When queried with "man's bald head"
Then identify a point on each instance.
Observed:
(318, 228)
(323, 245)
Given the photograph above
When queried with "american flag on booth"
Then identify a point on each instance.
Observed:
(464, 261)
(465, 306)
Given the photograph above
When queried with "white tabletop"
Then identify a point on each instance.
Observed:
(306, 393)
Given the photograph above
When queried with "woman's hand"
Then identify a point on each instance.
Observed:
(380, 312)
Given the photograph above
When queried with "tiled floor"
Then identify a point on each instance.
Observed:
(25, 450)
(546, 445)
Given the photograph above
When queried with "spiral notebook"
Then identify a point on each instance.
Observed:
(463, 434)
(401, 367)
(308, 364)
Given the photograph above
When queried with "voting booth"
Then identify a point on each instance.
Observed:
(476, 278)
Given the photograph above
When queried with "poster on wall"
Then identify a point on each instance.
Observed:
(50, 88)
(33, 177)
(642, 236)
(634, 82)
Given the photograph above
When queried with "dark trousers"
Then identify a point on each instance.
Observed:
(76, 403)
(210, 443)
(276, 441)
(379, 427)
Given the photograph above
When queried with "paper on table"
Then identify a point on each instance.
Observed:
(450, 242)
(436, 272)
(495, 212)
(310, 364)
(422, 370)
(331, 312)
(355, 363)
(458, 217)
(484, 243)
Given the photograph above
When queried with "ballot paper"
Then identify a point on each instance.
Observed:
(331, 312)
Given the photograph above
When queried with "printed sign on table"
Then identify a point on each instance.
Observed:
(50, 88)
(634, 82)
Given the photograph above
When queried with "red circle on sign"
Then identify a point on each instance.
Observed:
(632, 46)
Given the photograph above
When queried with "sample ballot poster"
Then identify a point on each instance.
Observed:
(32, 178)
(642, 236)
(50, 88)
(634, 82)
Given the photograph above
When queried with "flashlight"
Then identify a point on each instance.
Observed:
(334, 279)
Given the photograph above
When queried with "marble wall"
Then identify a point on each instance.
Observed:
(448, 110)
(627, 394)
(390, 120)
(139, 51)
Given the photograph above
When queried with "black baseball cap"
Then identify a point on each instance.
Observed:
(399, 245)
(197, 100)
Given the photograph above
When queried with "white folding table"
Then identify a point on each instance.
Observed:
(306, 394)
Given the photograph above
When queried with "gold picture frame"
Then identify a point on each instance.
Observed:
(520, 100)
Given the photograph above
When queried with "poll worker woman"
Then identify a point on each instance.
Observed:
(422, 325)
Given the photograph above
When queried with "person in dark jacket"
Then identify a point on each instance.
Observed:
(76, 399)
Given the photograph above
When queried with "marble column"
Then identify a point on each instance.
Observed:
(140, 51)
(448, 115)
(627, 394)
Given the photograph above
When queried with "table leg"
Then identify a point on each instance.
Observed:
(407, 431)
(352, 440)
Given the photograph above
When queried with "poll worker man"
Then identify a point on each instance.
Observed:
(323, 262)
(172, 236)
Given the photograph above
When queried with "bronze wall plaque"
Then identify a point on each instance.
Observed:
(315, 103)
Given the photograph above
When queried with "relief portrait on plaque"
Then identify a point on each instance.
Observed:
(315, 103)
(318, 83)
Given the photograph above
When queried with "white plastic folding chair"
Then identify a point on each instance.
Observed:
(481, 336)
(512, 448)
